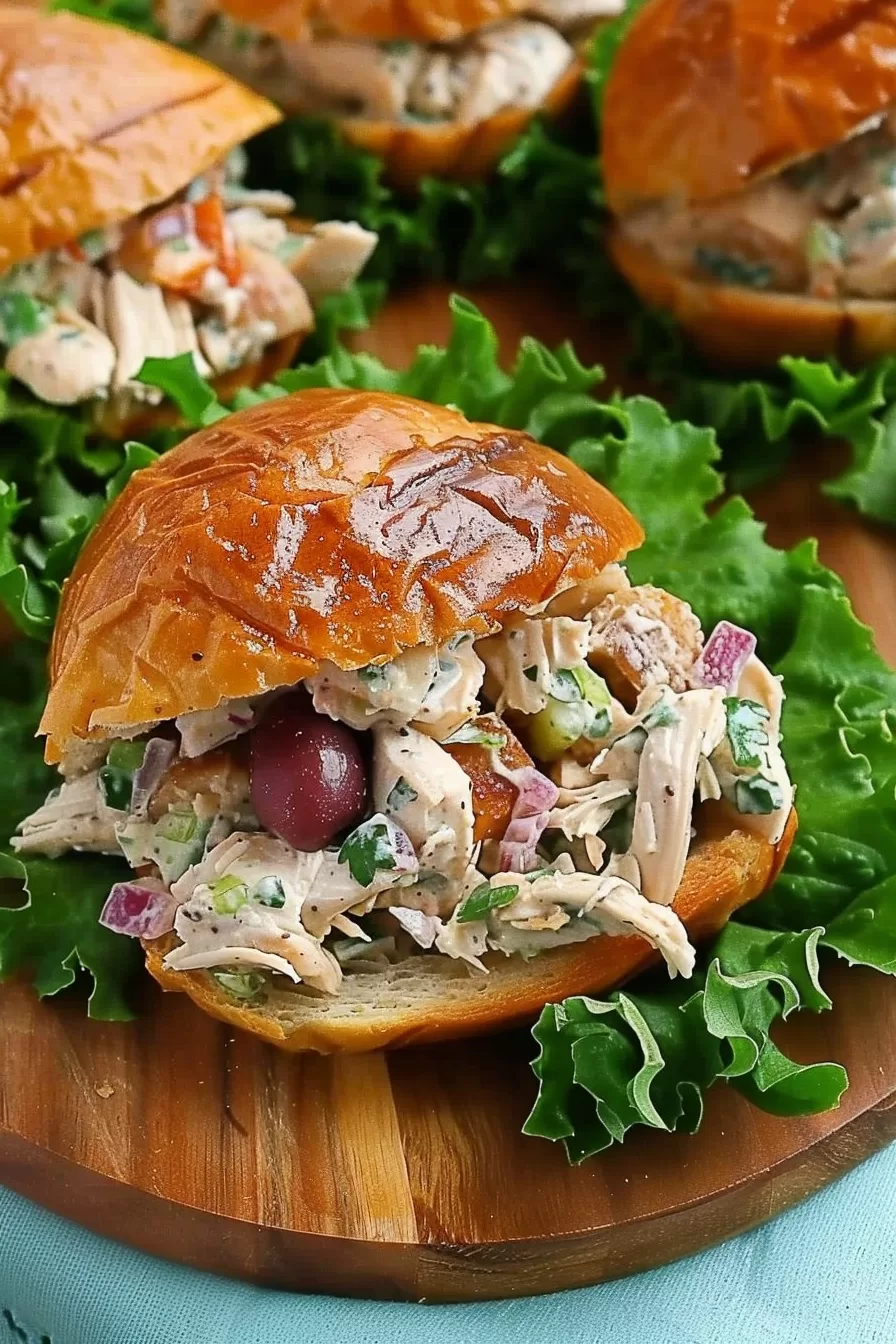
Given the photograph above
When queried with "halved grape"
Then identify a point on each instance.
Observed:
(307, 774)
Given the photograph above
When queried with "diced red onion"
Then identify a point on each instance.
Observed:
(157, 757)
(143, 909)
(535, 797)
(406, 860)
(724, 657)
(241, 720)
(536, 793)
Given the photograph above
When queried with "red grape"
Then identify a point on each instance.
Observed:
(307, 772)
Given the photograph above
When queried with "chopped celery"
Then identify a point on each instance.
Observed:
(116, 777)
(554, 729)
(228, 894)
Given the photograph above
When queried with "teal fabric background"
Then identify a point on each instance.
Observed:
(824, 1273)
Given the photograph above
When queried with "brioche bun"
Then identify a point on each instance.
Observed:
(329, 524)
(739, 90)
(411, 150)
(464, 151)
(747, 329)
(432, 998)
(373, 20)
(98, 123)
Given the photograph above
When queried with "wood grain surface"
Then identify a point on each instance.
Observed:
(406, 1175)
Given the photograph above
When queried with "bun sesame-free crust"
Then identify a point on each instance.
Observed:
(329, 524)
(707, 96)
(97, 123)
(749, 329)
(373, 20)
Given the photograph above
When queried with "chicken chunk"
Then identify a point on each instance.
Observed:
(70, 361)
(334, 255)
(643, 637)
(218, 779)
(273, 294)
(493, 793)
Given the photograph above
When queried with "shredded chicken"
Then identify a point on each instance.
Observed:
(522, 660)
(85, 318)
(74, 818)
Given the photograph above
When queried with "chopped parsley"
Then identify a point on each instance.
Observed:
(469, 735)
(269, 891)
(757, 795)
(374, 676)
(370, 849)
(400, 795)
(733, 270)
(483, 899)
(745, 722)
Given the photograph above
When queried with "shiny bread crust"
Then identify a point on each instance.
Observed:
(373, 20)
(329, 524)
(709, 95)
(725, 870)
(747, 329)
(97, 123)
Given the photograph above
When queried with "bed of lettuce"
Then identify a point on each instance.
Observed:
(647, 1054)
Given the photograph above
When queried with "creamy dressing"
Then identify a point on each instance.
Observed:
(825, 226)
(513, 64)
(78, 324)
(605, 849)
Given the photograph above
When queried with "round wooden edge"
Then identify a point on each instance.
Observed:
(307, 1262)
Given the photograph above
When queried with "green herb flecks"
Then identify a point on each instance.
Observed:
(484, 899)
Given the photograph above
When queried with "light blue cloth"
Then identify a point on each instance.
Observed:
(824, 1273)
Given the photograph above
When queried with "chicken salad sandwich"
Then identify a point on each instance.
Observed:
(361, 692)
(432, 89)
(753, 177)
(126, 231)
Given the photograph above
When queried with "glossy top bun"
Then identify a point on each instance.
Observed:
(326, 525)
(375, 20)
(97, 123)
(706, 96)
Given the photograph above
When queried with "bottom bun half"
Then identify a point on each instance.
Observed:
(749, 329)
(465, 151)
(431, 998)
(141, 417)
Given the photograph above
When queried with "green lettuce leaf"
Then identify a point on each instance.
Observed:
(760, 422)
(136, 14)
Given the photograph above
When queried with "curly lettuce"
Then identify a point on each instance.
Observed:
(646, 1055)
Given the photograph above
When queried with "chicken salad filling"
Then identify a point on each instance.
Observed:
(537, 787)
(215, 272)
(506, 65)
(824, 227)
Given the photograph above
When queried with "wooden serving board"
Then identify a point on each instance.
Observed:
(406, 1175)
